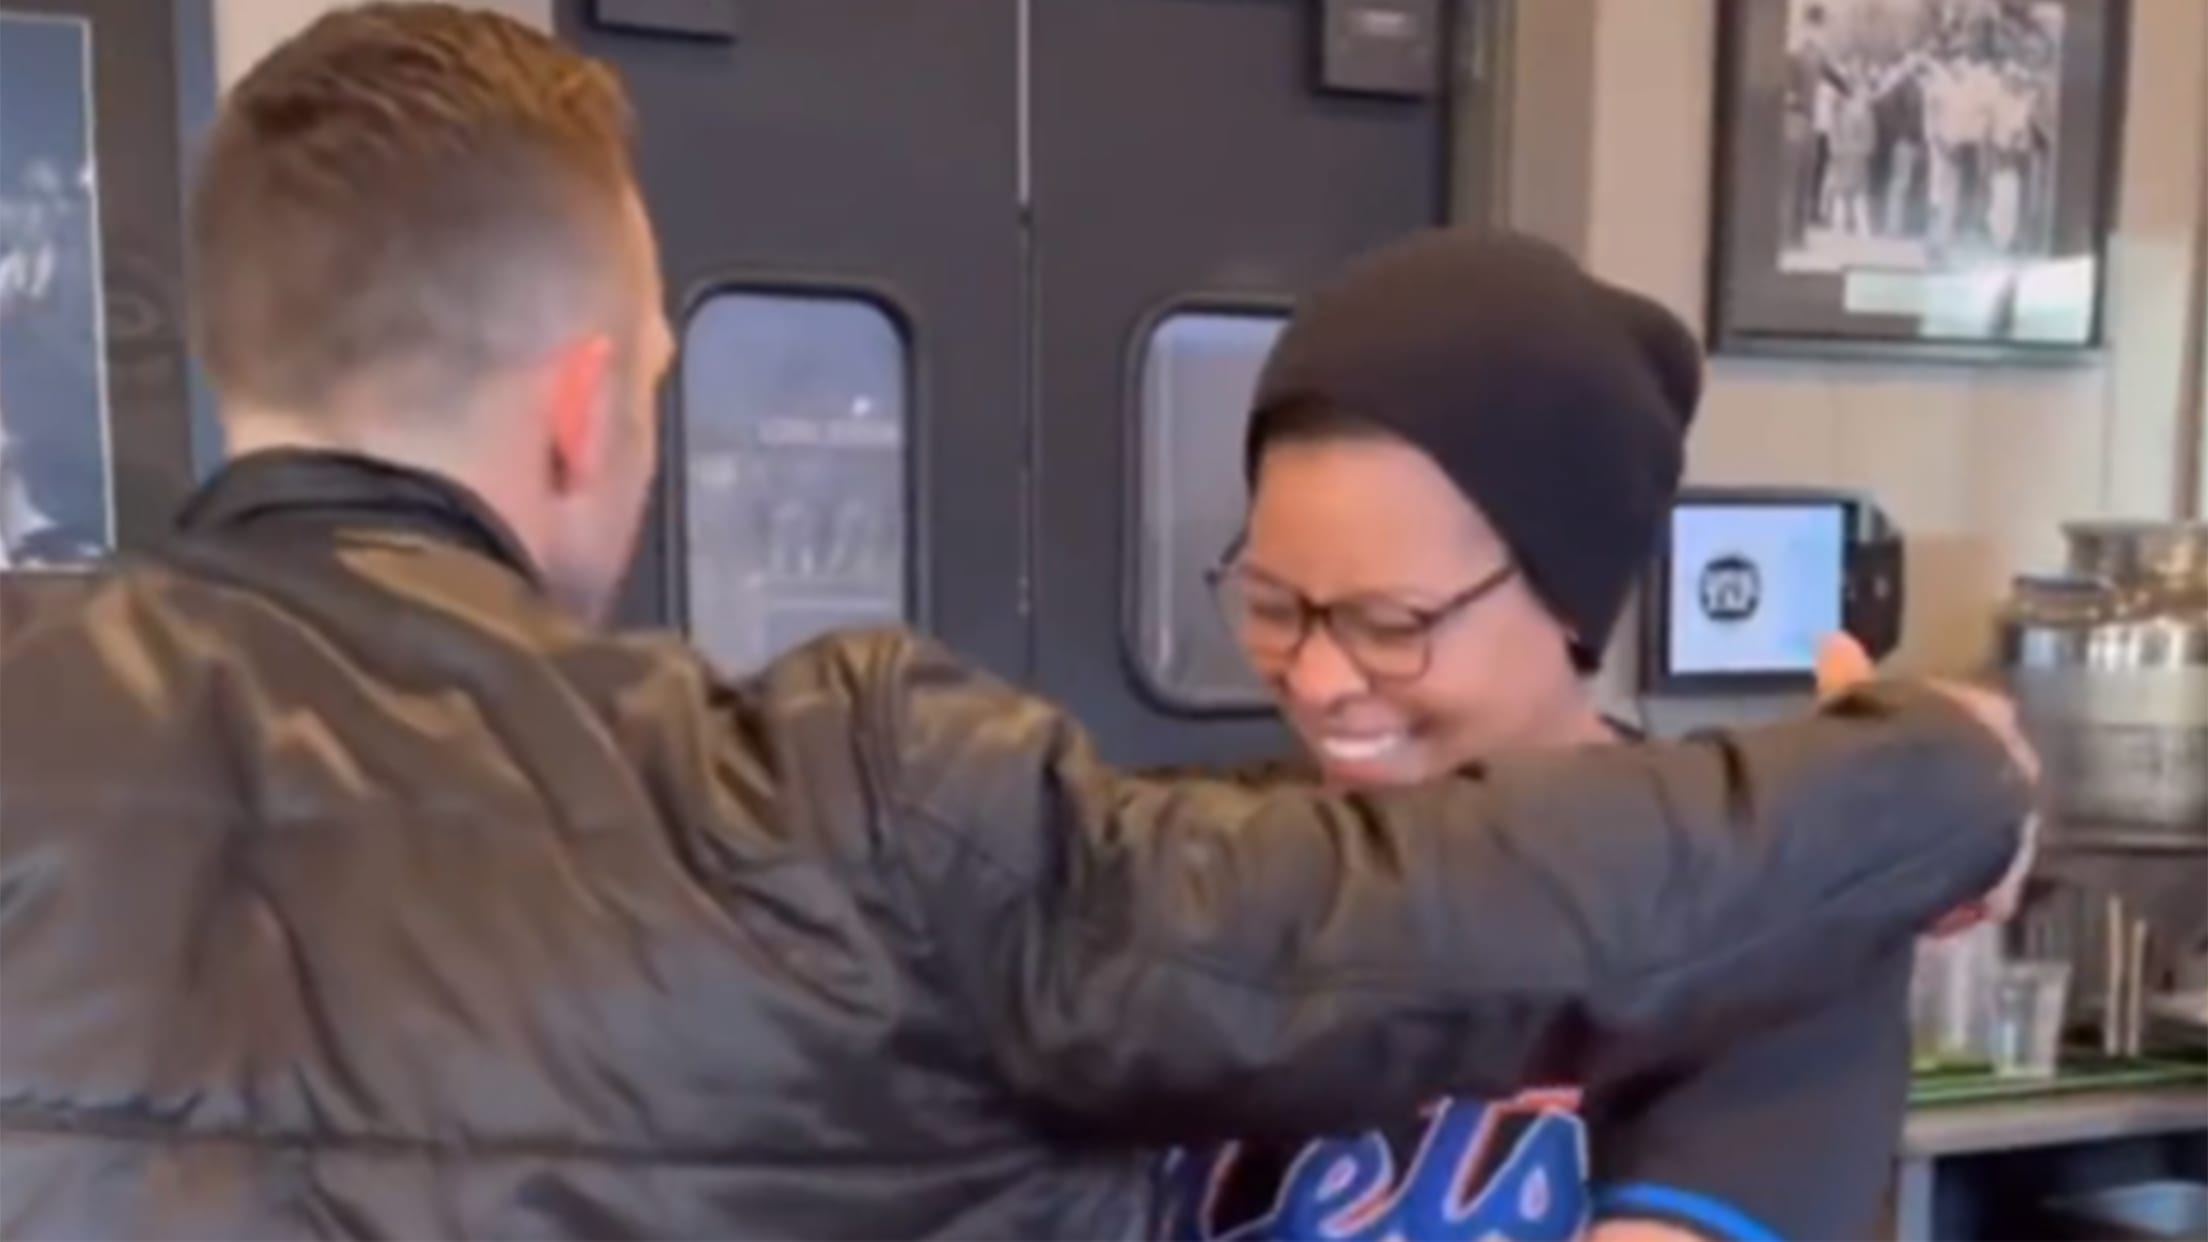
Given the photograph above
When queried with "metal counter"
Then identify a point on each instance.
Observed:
(2013, 1125)
(1958, 1129)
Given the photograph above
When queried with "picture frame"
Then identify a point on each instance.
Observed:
(1915, 179)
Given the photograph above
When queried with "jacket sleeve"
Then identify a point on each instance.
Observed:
(1788, 1132)
(1194, 959)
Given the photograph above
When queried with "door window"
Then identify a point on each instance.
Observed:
(56, 489)
(795, 474)
(1199, 369)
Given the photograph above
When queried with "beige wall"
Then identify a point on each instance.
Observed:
(2199, 407)
(1978, 465)
(246, 30)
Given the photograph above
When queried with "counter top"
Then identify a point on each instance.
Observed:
(2087, 1117)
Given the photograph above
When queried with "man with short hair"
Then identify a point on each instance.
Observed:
(353, 884)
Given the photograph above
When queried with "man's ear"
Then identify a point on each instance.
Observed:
(582, 415)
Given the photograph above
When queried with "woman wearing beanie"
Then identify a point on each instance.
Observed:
(1461, 455)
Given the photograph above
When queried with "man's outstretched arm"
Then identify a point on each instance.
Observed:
(1196, 958)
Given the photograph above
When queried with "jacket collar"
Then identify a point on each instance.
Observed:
(303, 486)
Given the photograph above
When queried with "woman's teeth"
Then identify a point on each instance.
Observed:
(1359, 749)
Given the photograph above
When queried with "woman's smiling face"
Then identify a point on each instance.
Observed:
(1403, 687)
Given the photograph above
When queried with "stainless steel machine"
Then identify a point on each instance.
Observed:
(2109, 662)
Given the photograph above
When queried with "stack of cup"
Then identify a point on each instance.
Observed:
(1973, 1005)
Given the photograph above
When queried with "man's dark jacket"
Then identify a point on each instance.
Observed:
(347, 888)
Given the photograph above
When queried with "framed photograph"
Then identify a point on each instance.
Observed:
(56, 486)
(1914, 178)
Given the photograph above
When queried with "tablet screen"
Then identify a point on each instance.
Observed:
(1754, 588)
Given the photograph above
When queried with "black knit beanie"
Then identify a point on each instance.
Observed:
(1559, 404)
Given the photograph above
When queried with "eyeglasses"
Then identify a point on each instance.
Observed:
(1389, 640)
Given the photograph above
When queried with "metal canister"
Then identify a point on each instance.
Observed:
(2109, 662)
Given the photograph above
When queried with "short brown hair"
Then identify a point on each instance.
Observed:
(416, 193)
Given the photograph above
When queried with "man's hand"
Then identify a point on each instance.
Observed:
(1843, 665)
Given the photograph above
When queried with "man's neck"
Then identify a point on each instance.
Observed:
(247, 432)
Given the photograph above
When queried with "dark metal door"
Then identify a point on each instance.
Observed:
(95, 393)
(1068, 229)
(1190, 176)
(836, 191)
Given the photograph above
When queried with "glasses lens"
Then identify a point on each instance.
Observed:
(1266, 619)
(1388, 641)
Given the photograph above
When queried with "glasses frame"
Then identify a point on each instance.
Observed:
(1311, 614)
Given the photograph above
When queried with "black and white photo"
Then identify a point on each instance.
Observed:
(1920, 134)
(56, 490)
(1926, 172)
